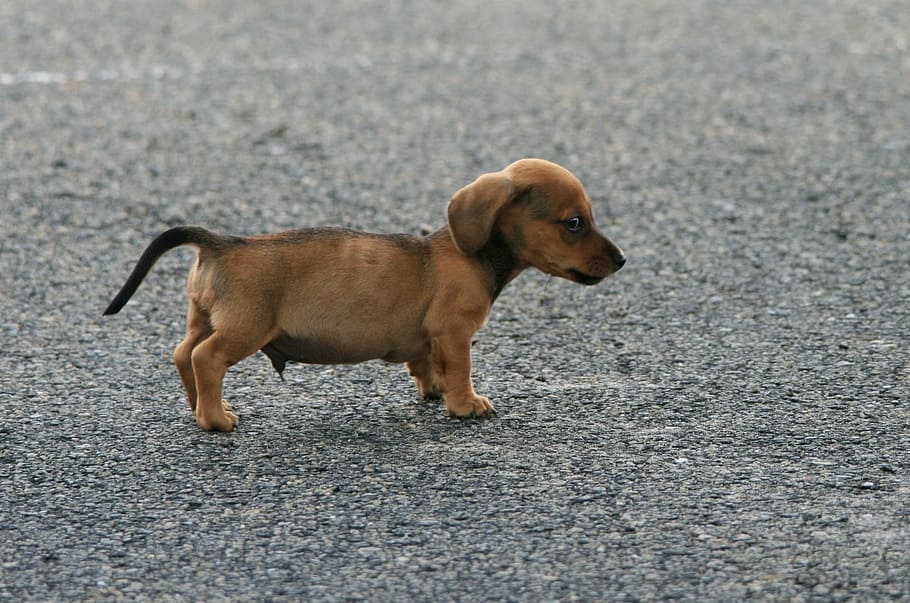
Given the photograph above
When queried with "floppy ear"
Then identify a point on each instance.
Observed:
(473, 210)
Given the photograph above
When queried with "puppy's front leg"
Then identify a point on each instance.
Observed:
(427, 377)
(455, 361)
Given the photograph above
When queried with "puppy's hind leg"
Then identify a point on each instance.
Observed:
(230, 343)
(198, 327)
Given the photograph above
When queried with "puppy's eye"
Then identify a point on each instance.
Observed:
(575, 224)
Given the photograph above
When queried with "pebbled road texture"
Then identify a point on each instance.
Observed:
(727, 418)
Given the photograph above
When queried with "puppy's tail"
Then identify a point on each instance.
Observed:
(175, 237)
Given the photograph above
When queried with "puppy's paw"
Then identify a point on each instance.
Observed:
(472, 406)
(226, 420)
(429, 387)
(428, 392)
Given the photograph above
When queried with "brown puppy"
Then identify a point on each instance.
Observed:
(338, 296)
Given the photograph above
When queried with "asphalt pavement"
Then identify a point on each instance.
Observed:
(727, 418)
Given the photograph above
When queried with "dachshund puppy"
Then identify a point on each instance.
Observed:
(326, 295)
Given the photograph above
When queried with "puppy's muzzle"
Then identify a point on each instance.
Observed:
(611, 261)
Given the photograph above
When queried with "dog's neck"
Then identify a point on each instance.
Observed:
(495, 257)
(499, 261)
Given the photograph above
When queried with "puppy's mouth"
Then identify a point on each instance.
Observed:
(583, 278)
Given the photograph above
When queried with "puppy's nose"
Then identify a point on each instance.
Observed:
(619, 260)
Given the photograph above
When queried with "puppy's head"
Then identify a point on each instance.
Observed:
(543, 213)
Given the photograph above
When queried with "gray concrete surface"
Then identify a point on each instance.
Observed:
(726, 419)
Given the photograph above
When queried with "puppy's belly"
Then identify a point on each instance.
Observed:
(311, 350)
